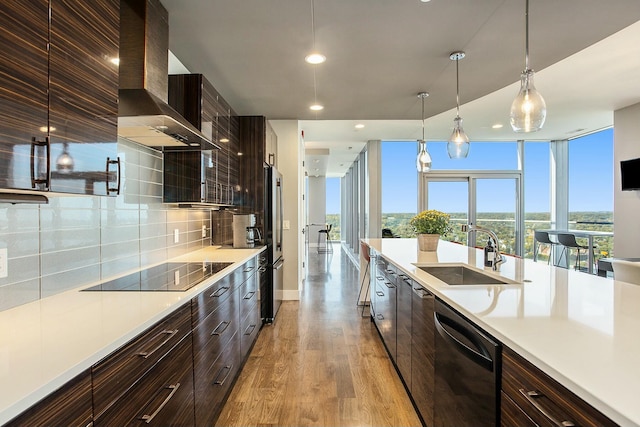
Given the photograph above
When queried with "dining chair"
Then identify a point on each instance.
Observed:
(568, 242)
(626, 271)
(542, 237)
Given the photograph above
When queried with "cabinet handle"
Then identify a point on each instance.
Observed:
(531, 397)
(221, 382)
(47, 145)
(422, 293)
(219, 292)
(249, 329)
(389, 285)
(170, 334)
(248, 269)
(117, 163)
(379, 316)
(224, 325)
(249, 295)
(380, 293)
(262, 269)
(148, 418)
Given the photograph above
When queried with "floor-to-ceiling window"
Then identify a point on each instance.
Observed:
(537, 196)
(399, 187)
(482, 189)
(591, 186)
(333, 207)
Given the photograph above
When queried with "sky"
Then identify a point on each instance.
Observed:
(590, 176)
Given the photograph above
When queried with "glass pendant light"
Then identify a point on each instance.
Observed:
(528, 110)
(423, 161)
(458, 144)
(64, 162)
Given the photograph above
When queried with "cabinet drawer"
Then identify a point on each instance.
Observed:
(68, 406)
(542, 398)
(249, 328)
(248, 295)
(511, 415)
(213, 380)
(210, 299)
(242, 273)
(117, 372)
(216, 331)
(163, 397)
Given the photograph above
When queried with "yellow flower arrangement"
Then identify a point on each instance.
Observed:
(431, 222)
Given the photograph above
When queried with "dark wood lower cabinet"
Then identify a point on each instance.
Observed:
(68, 406)
(163, 397)
(512, 415)
(423, 353)
(540, 398)
(178, 372)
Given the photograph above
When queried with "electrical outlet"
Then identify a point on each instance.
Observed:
(285, 224)
(176, 235)
(204, 231)
(176, 277)
(4, 269)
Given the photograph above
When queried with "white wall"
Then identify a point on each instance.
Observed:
(626, 204)
(290, 159)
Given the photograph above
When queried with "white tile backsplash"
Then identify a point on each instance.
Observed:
(75, 240)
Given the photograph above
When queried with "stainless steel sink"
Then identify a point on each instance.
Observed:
(462, 275)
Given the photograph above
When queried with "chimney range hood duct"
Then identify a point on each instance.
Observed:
(144, 116)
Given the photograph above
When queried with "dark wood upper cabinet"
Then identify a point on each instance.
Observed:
(210, 176)
(24, 34)
(58, 107)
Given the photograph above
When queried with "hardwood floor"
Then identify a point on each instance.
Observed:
(320, 363)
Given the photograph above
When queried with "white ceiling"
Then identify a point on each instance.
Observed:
(381, 53)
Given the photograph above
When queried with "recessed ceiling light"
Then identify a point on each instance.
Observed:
(425, 1)
(359, 126)
(316, 161)
(316, 107)
(315, 58)
(497, 126)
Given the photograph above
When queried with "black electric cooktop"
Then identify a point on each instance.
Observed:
(170, 276)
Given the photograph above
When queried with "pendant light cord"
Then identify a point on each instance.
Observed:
(313, 25)
(422, 116)
(526, 38)
(458, 89)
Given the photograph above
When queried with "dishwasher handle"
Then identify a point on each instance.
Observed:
(480, 355)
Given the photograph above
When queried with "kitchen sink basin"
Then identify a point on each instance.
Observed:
(462, 275)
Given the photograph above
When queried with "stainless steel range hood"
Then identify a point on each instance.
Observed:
(143, 113)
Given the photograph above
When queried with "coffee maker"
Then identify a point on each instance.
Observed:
(245, 233)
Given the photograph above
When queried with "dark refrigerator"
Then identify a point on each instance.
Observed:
(271, 290)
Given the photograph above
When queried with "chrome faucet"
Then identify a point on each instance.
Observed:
(500, 259)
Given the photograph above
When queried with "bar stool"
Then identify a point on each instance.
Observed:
(543, 237)
(327, 247)
(364, 250)
(568, 241)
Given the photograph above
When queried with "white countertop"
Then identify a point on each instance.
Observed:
(48, 342)
(582, 330)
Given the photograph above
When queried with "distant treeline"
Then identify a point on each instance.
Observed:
(502, 223)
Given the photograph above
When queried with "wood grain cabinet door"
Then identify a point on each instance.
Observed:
(423, 353)
(163, 397)
(83, 101)
(403, 329)
(24, 34)
(69, 406)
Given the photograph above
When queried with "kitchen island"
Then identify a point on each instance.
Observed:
(46, 343)
(580, 329)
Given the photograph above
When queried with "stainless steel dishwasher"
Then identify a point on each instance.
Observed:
(467, 372)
